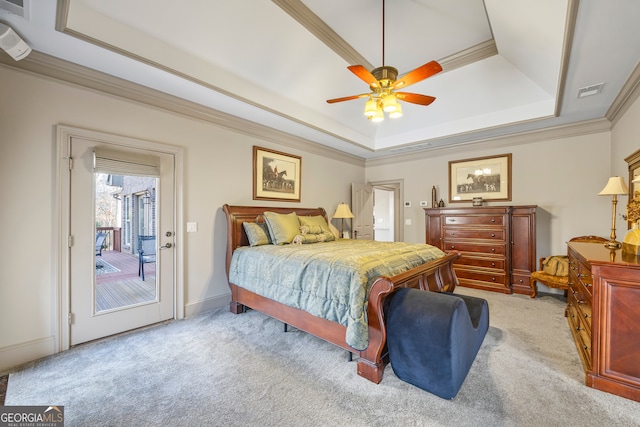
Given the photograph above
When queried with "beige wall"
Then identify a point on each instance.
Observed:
(217, 170)
(562, 176)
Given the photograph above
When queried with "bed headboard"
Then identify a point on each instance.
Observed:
(236, 215)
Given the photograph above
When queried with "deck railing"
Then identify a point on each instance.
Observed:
(113, 241)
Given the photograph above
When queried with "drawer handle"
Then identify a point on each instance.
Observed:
(493, 249)
(584, 347)
(451, 220)
(493, 279)
(577, 328)
(493, 220)
(493, 234)
(493, 264)
(520, 280)
(453, 246)
(586, 316)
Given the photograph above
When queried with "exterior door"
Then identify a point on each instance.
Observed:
(362, 206)
(144, 221)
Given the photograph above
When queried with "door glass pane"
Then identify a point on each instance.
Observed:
(125, 218)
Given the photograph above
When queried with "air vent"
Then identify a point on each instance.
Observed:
(590, 90)
(17, 7)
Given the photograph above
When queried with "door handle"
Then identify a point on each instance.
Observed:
(166, 246)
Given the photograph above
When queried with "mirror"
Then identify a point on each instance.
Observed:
(634, 172)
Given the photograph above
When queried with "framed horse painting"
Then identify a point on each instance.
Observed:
(276, 175)
(482, 178)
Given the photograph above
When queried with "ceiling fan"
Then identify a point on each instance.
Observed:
(383, 82)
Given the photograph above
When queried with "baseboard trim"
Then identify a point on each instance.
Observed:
(16, 355)
(197, 307)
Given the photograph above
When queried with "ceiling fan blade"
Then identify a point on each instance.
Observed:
(415, 98)
(364, 75)
(419, 74)
(347, 98)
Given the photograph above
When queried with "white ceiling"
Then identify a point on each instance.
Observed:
(510, 66)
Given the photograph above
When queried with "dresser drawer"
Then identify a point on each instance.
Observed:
(492, 277)
(581, 336)
(497, 220)
(476, 247)
(581, 308)
(479, 261)
(472, 233)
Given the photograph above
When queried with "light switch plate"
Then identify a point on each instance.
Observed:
(192, 227)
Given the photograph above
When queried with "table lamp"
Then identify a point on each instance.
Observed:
(615, 186)
(342, 212)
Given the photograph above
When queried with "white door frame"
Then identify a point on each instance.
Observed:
(61, 253)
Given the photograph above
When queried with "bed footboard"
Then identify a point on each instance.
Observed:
(436, 276)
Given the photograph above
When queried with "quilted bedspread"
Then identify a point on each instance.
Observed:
(330, 279)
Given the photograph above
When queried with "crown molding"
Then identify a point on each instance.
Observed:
(528, 137)
(628, 94)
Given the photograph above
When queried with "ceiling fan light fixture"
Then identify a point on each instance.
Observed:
(397, 112)
(389, 103)
(370, 108)
(378, 117)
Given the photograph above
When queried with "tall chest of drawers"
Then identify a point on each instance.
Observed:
(497, 244)
(603, 312)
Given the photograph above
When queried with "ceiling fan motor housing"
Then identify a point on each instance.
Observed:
(385, 76)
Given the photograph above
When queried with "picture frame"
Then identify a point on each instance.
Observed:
(276, 175)
(487, 177)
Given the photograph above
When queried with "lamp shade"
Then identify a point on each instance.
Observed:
(615, 185)
(343, 211)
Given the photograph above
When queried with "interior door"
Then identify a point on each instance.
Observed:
(362, 208)
(88, 319)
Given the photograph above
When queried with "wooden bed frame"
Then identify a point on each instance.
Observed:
(435, 276)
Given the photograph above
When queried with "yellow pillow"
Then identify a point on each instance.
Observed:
(317, 220)
(282, 227)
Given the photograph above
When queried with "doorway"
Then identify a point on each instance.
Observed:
(118, 210)
(383, 214)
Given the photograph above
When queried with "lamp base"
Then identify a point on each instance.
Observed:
(612, 244)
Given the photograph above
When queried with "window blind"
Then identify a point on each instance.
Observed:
(125, 163)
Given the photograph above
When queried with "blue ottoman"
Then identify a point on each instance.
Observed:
(433, 338)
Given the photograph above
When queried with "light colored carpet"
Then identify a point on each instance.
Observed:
(220, 369)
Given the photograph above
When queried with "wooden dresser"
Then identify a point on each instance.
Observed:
(498, 244)
(603, 311)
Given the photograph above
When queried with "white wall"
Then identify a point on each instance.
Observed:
(217, 169)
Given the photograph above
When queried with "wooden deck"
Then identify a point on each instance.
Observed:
(116, 289)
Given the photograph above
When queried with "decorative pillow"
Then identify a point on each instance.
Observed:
(257, 233)
(282, 227)
(311, 229)
(556, 265)
(312, 238)
(317, 220)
